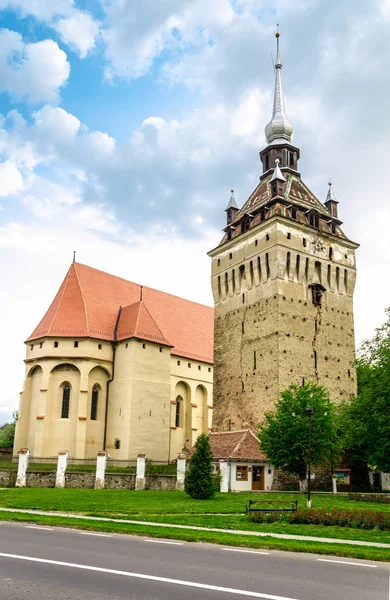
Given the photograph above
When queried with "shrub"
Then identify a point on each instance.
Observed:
(199, 478)
(359, 519)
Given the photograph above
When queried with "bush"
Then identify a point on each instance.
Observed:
(199, 478)
(359, 519)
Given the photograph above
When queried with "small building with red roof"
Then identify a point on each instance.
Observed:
(117, 366)
(248, 467)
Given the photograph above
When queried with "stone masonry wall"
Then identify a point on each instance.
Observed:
(40, 479)
(7, 478)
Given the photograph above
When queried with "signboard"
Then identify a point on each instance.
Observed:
(343, 477)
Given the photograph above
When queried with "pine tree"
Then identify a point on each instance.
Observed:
(199, 478)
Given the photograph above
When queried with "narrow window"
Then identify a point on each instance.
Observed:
(31, 346)
(329, 275)
(288, 264)
(199, 368)
(315, 360)
(254, 360)
(234, 281)
(117, 444)
(127, 345)
(330, 253)
(100, 346)
(219, 287)
(94, 403)
(251, 272)
(297, 266)
(229, 233)
(226, 284)
(41, 345)
(242, 274)
(267, 162)
(65, 401)
(289, 236)
(55, 344)
(338, 278)
(267, 237)
(209, 369)
(242, 327)
(218, 262)
(256, 242)
(316, 295)
(178, 411)
(230, 256)
(345, 279)
(307, 269)
(259, 268)
(333, 227)
(243, 298)
(267, 266)
(189, 365)
(160, 348)
(178, 363)
(304, 242)
(291, 159)
(76, 344)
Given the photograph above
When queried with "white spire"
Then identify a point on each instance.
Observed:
(277, 174)
(279, 129)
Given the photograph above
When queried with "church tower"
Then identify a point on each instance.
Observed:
(283, 279)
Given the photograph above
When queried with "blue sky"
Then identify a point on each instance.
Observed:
(124, 125)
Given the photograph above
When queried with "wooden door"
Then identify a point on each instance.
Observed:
(257, 478)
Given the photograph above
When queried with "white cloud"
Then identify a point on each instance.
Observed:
(79, 31)
(11, 180)
(35, 71)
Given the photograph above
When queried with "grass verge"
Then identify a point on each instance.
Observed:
(227, 539)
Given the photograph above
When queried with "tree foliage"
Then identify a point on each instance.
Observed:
(284, 438)
(366, 419)
(7, 433)
(199, 478)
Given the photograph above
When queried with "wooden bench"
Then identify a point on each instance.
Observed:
(256, 505)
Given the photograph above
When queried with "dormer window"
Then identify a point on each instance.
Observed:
(229, 233)
(293, 213)
(262, 214)
(333, 227)
(314, 220)
(245, 224)
(317, 291)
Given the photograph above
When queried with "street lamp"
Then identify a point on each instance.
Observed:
(309, 410)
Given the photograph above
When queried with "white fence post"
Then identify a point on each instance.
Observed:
(181, 472)
(24, 455)
(140, 478)
(334, 484)
(224, 472)
(62, 463)
(100, 470)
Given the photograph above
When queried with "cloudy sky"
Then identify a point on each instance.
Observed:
(124, 124)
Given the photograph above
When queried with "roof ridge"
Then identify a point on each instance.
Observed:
(236, 449)
(59, 301)
(155, 322)
(144, 286)
(234, 431)
(82, 297)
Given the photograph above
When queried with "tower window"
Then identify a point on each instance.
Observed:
(229, 233)
(100, 346)
(291, 159)
(243, 298)
(267, 162)
(289, 236)
(65, 401)
(317, 292)
(218, 262)
(230, 256)
(254, 360)
(262, 214)
(304, 242)
(199, 368)
(55, 344)
(178, 363)
(245, 224)
(117, 444)
(294, 213)
(313, 220)
(94, 402)
(333, 227)
(330, 253)
(41, 345)
(76, 344)
(267, 237)
(32, 347)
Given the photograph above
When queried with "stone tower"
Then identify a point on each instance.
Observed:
(283, 279)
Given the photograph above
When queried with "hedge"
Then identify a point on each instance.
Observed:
(360, 519)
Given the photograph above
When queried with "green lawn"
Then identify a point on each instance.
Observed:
(225, 511)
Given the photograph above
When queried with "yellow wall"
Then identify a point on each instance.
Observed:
(140, 412)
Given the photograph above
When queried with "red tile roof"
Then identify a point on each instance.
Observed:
(87, 305)
(239, 445)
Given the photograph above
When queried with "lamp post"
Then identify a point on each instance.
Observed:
(309, 410)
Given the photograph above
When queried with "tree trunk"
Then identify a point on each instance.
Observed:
(303, 483)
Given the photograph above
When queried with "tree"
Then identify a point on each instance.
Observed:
(199, 478)
(7, 433)
(366, 419)
(285, 436)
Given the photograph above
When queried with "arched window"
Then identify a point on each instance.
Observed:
(65, 401)
(178, 415)
(94, 402)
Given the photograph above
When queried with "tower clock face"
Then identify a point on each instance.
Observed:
(318, 246)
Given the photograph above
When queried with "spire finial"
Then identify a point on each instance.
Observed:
(279, 129)
(140, 292)
(232, 201)
(277, 174)
(330, 194)
(74, 256)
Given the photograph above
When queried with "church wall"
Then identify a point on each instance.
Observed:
(193, 381)
(98, 378)
(268, 332)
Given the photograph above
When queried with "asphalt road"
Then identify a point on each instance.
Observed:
(41, 563)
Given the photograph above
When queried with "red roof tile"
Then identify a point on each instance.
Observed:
(240, 445)
(87, 305)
